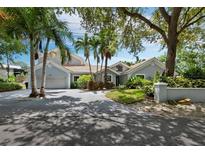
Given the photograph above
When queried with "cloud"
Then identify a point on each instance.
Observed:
(74, 24)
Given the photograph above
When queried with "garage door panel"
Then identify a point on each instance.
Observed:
(55, 83)
(58, 83)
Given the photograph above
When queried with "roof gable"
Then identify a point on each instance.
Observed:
(75, 60)
(119, 63)
(145, 63)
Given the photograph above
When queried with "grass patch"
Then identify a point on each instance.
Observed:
(126, 96)
(8, 86)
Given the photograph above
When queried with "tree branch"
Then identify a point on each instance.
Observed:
(185, 16)
(147, 21)
(189, 23)
(164, 14)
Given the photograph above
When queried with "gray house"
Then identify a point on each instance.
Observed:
(61, 76)
(119, 72)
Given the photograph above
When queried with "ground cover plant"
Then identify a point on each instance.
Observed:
(126, 96)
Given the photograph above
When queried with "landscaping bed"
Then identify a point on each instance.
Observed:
(8, 86)
(195, 110)
(126, 96)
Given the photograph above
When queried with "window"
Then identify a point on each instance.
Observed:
(76, 78)
(109, 78)
(140, 76)
(119, 68)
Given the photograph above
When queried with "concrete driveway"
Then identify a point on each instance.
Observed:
(76, 117)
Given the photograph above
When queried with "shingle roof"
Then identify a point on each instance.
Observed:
(82, 68)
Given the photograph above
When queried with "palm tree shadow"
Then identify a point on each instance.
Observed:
(98, 123)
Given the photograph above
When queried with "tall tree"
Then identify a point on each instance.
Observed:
(9, 47)
(171, 27)
(84, 43)
(95, 43)
(53, 30)
(26, 24)
(108, 47)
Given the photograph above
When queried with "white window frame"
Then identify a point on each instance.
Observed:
(140, 74)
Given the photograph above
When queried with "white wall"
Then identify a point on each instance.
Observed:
(164, 93)
(195, 94)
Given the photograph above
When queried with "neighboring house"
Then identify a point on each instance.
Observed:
(61, 76)
(13, 70)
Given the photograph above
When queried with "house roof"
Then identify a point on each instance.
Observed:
(145, 63)
(82, 68)
(137, 66)
(38, 66)
(110, 69)
(115, 64)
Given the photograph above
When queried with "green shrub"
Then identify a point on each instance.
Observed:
(156, 77)
(184, 82)
(136, 82)
(101, 85)
(11, 78)
(149, 90)
(83, 81)
(109, 85)
(8, 86)
(2, 80)
(194, 73)
(74, 85)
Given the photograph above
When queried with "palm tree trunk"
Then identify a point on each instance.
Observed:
(34, 92)
(105, 77)
(97, 65)
(101, 69)
(90, 68)
(43, 77)
(8, 66)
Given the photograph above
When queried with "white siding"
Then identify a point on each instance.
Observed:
(55, 78)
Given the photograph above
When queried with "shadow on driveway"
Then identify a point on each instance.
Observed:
(70, 121)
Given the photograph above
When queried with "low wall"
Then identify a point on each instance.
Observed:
(164, 93)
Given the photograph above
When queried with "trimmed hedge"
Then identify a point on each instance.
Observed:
(8, 86)
(183, 82)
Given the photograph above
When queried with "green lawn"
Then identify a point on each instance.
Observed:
(126, 96)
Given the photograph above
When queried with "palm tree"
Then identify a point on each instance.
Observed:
(26, 24)
(95, 43)
(107, 55)
(54, 30)
(108, 47)
(84, 43)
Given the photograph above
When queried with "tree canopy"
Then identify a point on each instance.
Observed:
(173, 28)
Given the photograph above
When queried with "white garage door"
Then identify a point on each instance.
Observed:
(57, 83)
